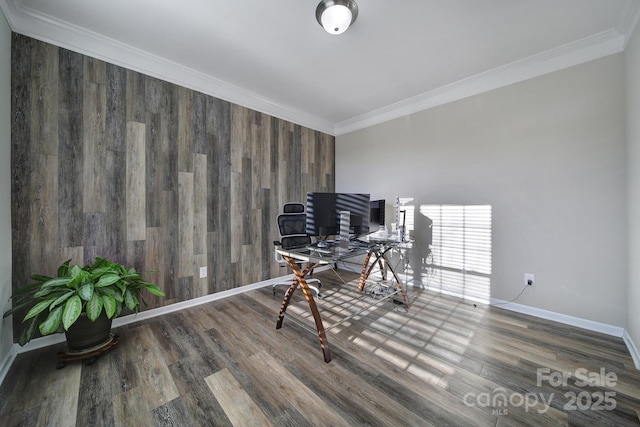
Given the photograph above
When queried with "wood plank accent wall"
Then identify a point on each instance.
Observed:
(113, 163)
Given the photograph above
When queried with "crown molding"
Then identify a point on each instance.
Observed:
(581, 51)
(30, 23)
(628, 19)
(27, 22)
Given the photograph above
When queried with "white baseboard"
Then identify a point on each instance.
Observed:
(7, 362)
(633, 350)
(148, 314)
(589, 325)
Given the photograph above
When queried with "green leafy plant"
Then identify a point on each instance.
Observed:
(57, 302)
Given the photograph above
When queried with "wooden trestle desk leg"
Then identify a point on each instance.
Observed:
(300, 280)
(364, 274)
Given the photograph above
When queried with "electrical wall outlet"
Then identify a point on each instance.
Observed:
(203, 272)
(529, 279)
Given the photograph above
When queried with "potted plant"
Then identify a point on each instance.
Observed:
(94, 294)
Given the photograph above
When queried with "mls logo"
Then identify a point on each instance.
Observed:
(499, 412)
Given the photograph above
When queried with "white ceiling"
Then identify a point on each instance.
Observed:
(399, 57)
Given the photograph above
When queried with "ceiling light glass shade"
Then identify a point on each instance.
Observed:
(336, 16)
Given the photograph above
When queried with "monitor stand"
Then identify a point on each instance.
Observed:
(345, 220)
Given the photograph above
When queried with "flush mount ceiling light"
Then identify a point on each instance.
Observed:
(336, 16)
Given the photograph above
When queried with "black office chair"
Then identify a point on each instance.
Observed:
(292, 223)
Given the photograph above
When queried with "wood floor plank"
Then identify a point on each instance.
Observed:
(359, 400)
(17, 383)
(470, 388)
(23, 419)
(173, 413)
(287, 387)
(155, 381)
(177, 337)
(189, 375)
(60, 399)
(265, 332)
(131, 409)
(223, 363)
(237, 404)
(95, 404)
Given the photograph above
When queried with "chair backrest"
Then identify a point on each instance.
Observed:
(293, 226)
(293, 208)
(289, 242)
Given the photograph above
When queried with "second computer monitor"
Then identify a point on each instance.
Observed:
(376, 214)
(323, 213)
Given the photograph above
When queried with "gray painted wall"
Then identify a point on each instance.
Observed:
(548, 155)
(6, 337)
(632, 74)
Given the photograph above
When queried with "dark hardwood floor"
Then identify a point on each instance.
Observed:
(442, 363)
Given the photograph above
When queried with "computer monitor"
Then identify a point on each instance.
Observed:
(323, 213)
(376, 214)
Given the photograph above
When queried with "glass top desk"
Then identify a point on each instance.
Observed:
(373, 246)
